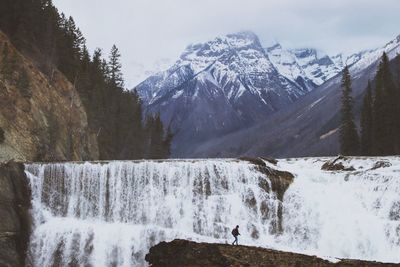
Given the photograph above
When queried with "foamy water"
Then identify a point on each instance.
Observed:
(104, 214)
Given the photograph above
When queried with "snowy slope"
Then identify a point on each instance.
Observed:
(311, 65)
(362, 60)
(367, 58)
(219, 86)
(234, 63)
(309, 126)
(304, 66)
(232, 83)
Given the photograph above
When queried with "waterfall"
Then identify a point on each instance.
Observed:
(111, 213)
(343, 214)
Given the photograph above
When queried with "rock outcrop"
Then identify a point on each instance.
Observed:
(337, 164)
(43, 121)
(182, 253)
(14, 214)
(280, 182)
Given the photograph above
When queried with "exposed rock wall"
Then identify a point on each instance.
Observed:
(280, 182)
(48, 124)
(14, 214)
(182, 253)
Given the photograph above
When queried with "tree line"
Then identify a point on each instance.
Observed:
(54, 41)
(380, 114)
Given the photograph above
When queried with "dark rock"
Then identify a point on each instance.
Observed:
(270, 160)
(182, 253)
(15, 222)
(337, 165)
(381, 164)
(256, 161)
(280, 182)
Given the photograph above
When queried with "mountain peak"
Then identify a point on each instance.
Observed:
(222, 43)
(276, 46)
(243, 35)
(397, 39)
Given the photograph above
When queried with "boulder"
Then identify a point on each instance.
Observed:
(337, 164)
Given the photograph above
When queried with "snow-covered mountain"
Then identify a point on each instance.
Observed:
(219, 86)
(307, 67)
(232, 82)
(235, 64)
(310, 126)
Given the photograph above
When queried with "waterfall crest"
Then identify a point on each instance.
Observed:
(110, 214)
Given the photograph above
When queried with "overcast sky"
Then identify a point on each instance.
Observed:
(149, 31)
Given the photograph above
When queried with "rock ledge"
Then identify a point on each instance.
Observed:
(181, 253)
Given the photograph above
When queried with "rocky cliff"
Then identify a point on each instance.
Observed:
(14, 214)
(45, 120)
(181, 253)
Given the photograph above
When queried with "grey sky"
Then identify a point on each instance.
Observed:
(147, 31)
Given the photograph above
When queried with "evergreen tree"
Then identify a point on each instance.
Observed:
(366, 123)
(54, 42)
(114, 67)
(349, 143)
(384, 110)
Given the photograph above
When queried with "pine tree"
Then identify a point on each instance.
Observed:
(366, 140)
(54, 42)
(114, 67)
(384, 110)
(349, 143)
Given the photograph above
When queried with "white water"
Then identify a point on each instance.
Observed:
(338, 214)
(105, 214)
(97, 214)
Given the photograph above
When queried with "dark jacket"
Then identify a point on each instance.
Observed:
(235, 232)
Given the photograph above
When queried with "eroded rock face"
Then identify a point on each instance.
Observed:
(182, 253)
(280, 182)
(49, 123)
(14, 214)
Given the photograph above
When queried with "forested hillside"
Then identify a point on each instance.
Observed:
(54, 42)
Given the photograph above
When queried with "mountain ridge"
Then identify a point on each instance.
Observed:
(232, 83)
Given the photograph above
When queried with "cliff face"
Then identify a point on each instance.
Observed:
(49, 122)
(14, 214)
(181, 253)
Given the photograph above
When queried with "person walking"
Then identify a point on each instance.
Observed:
(235, 233)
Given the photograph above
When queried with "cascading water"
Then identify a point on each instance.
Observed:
(344, 214)
(110, 214)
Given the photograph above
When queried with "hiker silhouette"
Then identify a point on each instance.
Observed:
(235, 233)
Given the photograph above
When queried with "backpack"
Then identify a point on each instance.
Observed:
(234, 232)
